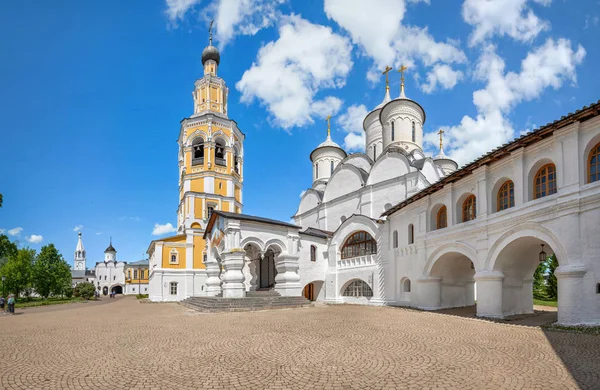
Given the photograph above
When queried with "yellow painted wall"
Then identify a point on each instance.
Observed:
(167, 256)
(198, 207)
(223, 184)
(199, 246)
(197, 185)
(236, 193)
(225, 206)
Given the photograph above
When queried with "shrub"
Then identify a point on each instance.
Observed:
(84, 290)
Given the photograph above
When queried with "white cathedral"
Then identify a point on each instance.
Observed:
(392, 226)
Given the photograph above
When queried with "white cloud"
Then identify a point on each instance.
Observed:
(15, 231)
(376, 26)
(502, 17)
(441, 75)
(291, 71)
(34, 239)
(549, 65)
(78, 228)
(244, 17)
(2, 231)
(352, 123)
(160, 230)
(98, 233)
(176, 9)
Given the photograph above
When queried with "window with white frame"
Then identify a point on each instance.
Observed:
(173, 288)
(174, 257)
(358, 288)
(135, 274)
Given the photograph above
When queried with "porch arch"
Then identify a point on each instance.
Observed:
(525, 230)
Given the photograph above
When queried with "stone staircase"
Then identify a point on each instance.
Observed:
(255, 300)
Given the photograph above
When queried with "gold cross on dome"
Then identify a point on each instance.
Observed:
(401, 70)
(328, 125)
(441, 132)
(385, 72)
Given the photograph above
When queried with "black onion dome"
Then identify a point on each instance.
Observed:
(110, 248)
(211, 53)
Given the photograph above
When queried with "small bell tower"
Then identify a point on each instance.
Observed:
(79, 259)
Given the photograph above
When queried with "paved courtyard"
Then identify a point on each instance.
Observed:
(129, 345)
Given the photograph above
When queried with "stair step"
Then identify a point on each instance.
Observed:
(257, 300)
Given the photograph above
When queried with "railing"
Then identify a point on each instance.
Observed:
(198, 161)
(220, 161)
(355, 262)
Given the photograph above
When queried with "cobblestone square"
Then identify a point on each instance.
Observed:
(130, 345)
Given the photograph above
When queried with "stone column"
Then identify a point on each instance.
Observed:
(430, 292)
(470, 293)
(527, 296)
(213, 281)
(571, 305)
(287, 281)
(233, 278)
(489, 293)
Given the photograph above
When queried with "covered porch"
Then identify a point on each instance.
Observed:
(247, 253)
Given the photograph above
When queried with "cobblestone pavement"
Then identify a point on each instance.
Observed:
(130, 345)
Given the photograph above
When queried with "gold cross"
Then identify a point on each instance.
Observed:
(441, 141)
(401, 70)
(328, 125)
(385, 72)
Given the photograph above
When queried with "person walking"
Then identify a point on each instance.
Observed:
(11, 304)
(2, 302)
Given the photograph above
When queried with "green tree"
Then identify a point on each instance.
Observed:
(51, 273)
(551, 282)
(17, 271)
(7, 249)
(539, 281)
(84, 290)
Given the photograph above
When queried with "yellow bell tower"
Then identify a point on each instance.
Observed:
(211, 161)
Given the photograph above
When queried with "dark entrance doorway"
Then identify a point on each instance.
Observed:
(117, 290)
(267, 271)
(309, 292)
(105, 291)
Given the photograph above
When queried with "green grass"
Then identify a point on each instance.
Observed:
(34, 302)
(540, 302)
(593, 330)
(141, 296)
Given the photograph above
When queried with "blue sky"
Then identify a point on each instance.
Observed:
(93, 92)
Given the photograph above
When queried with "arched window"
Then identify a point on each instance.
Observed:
(594, 164)
(411, 234)
(506, 196)
(331, 166)
(358, 288)
(236, 164)
(414, 132)
(313, 253)
(316, 170)
(359, 244)
(198, 151)
(393, 130)
(220, 153)
(597, 288)
(395, 238)
(406, 287)
(544, 183)
(442, 218)
(469, 209)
